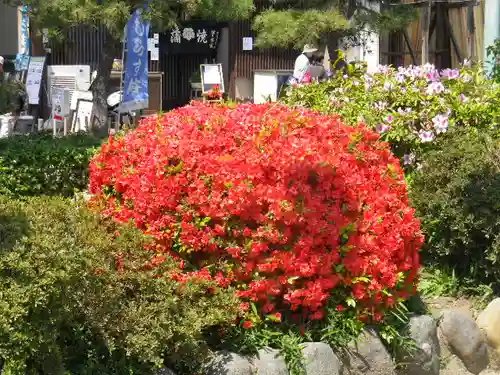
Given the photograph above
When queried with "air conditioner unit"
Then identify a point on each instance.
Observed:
(72, 77)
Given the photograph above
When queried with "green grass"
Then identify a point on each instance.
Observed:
(442, 282)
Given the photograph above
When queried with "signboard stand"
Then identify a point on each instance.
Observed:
(34, 79)
(211, 78)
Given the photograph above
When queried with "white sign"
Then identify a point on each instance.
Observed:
(82, 115)
(155, 54)
(45, 36)
(60, 102)
(57, 102)
(156, 37)
(211, 75)
(151, 44)
(85, 95)
(247, 44)
(34, 79)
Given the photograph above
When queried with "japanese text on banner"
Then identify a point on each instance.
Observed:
(136, 91)
(22, 57)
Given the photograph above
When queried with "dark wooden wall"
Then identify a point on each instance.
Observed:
(243, 63)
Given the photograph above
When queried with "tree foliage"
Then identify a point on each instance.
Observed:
(58, 15)
(297, 22)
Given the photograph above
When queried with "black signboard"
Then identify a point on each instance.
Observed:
(193, 38)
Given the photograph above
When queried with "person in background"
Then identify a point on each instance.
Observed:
(302, 63)
(317, 68)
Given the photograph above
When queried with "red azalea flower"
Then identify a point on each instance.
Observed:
(287, 206)
(247, 324)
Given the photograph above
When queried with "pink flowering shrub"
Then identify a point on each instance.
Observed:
(293, 208)
(411, 108)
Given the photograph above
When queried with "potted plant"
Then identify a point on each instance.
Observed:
(195, 79)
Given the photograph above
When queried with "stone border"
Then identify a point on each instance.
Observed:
(454, 338)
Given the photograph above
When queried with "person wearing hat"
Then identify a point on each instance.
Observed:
(303, 62)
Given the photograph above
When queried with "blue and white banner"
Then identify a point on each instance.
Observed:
(22, 57)
(136, 90)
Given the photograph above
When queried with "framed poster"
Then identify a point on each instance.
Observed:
(211, 76)
(34, 79)
(82, 116)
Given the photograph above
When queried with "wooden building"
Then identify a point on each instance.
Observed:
(169, 76)
(445, 33)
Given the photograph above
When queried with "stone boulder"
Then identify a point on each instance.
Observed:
(489, 322)
(164, 371)
(227, 363)
(423, 359)
(319, 359)
(269, 362)
(367, 356)
(464, 339)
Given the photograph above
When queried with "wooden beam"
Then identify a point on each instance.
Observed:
(410, 47)
(408, 53)
(391, 53)
(426, 15)
(472, 31)
(446, 3)
(432, 27)
(453, 39)
(442, 54)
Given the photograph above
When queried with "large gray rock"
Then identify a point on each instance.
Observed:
(227, 363)
(489, 322)
(164, 371)
(367, 356)
(269, 362)
(424, 358)
(465, 340)
(319, 359)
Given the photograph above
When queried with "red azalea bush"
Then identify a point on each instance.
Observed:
(292, 207)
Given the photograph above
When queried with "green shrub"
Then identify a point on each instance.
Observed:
(493, 53)
(457, 193)
(65, 309)
(410, 107)
(10, 92)
(42, 165)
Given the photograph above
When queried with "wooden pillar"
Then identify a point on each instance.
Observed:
(426, 14)
(472, 31)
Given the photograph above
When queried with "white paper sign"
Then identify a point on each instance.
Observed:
(57, 99)
(156, 37)
(34, 79)
(155, 54)
(211, 75)
(151, 44)
(247, 44)
(82, 115)
(86, 95)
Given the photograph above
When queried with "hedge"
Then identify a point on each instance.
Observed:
(73, 301)
(457, 193)
(38, 164)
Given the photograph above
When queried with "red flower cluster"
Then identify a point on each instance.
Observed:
(293, 208)
(215, 93)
